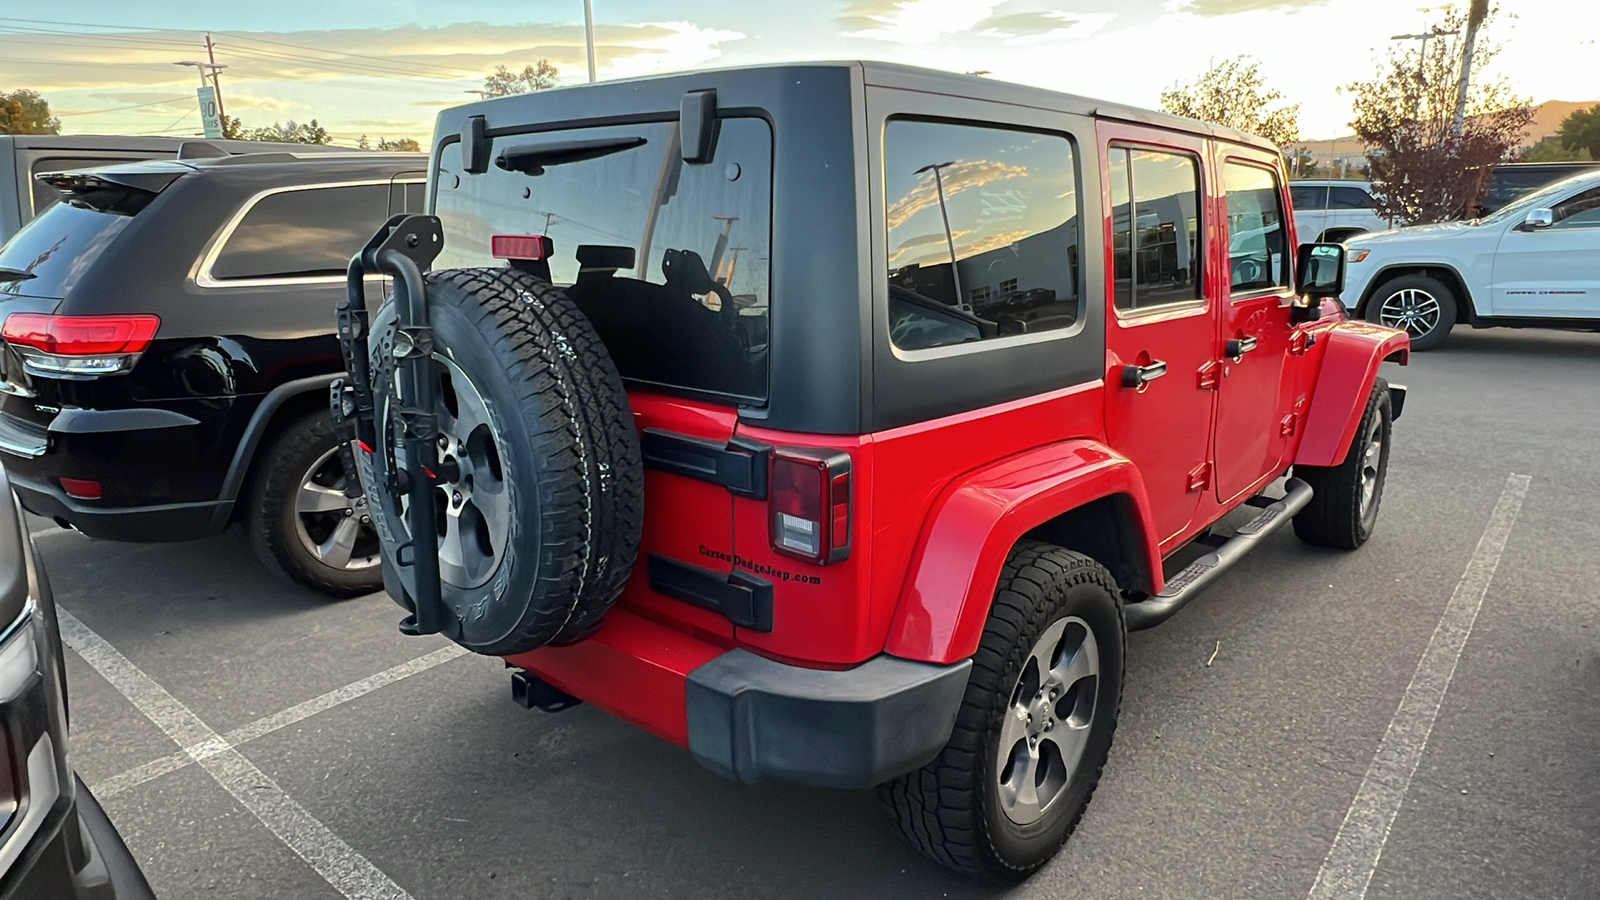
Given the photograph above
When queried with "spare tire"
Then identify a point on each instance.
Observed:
(541, 500)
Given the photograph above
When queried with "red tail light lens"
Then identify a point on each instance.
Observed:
(81, 335)
(532, 247)
(78, 346)
(809, 499)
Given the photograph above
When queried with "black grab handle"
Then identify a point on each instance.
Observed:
(402, 248)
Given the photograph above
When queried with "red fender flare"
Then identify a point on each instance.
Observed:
(976, 522)
(1349, 367)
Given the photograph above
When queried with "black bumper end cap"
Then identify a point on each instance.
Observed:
(751, 718)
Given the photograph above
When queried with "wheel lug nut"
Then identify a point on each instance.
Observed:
(456, 498)
(348, 512)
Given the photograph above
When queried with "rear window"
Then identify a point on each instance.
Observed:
(57, 248)
(668, 259)
(302, 232)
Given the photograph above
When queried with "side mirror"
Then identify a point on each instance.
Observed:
(1537, 219)
(1320, 272)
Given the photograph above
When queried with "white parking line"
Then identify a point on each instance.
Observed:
(350, 873)
(1353, 858)
(154, 769)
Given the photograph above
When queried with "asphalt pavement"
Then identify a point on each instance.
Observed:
(329, 756)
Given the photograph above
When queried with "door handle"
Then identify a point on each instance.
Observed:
(1237, 347)
(1139, 376)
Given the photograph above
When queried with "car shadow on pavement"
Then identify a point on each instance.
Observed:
(1531, 343)
(215, 581)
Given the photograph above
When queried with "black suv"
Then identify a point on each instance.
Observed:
(55, 840)
(167, 348)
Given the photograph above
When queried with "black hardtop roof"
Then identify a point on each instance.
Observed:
(301, 166)
(894, 75)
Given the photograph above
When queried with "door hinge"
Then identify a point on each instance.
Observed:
(1210, 375)
(1289, 424)
(1300, 342)
(1200, 477)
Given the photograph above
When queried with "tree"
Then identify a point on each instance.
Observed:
(27, 112)
(389, 144)
(1580, 130)
(1232, 93)
(232, 128)
(537, 77)
(1552, 150)
(291, 132)
(1421, 171)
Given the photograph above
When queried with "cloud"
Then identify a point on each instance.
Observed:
(912, 21)
(237, 100)
(959, 176)
(448, 55)
(1229, 7)
(991, 242)
(1029, 27)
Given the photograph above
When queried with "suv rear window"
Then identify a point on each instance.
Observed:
(303, 232)
(54, 248)
(668, 259)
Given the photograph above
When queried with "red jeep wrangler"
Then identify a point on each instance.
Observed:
(834, 421)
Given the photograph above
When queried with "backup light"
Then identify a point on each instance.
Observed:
(809, 501)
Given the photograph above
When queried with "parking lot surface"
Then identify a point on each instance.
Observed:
(251, 739)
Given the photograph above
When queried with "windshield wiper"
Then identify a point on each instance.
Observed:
(530, 159)
(8, 274)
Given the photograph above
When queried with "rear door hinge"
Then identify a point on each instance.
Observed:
(1289, 424)
(1200, 477)
(1210, 375)
(1300, 342)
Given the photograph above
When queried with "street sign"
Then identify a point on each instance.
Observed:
(209, 113)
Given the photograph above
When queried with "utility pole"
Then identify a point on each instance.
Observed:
(949, 236)
(1475, 17)
(222, 112)
(1422, 61)
(588, 34)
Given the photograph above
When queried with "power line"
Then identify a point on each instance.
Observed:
(235, 35)
(92, 112)
(263, 55)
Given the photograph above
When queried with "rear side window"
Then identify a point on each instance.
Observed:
(302, 232)
(1349, 198)
(1256, 257)
(982, 233)
(669, 260)
(1155, 227)
(1309, 196)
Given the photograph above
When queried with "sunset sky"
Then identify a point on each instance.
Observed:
(385, 68)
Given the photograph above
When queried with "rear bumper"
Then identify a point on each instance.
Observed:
(163, 522)
(751, 718)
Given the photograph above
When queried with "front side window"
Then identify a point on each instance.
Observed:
(1256, 257)
(303, 232)
(669, 260)
(982, 233)
(1581, 211)
(1155, 199)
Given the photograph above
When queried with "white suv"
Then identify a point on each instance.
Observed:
(1533, 263)
(1334, 210)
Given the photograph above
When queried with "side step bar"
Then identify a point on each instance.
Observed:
(1183, 587)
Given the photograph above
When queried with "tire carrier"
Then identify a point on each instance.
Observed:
(401, 249)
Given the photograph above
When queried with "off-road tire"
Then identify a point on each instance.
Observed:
(285, 461)
(1334, 517)
(567, 444)
(949, 809)
(1441, 294)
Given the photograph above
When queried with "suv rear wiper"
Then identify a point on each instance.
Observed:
(530, 159)
(8, 274)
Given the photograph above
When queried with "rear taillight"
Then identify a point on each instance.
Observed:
(56, 346)
(809, 498)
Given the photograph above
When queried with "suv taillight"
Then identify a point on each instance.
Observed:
(54, 346)
(809, 498)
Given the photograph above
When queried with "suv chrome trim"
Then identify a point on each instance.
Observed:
(202, 269)
(21, 438)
